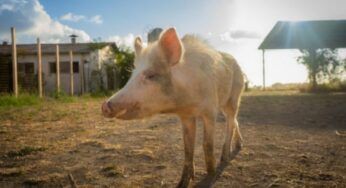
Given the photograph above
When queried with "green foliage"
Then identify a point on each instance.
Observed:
(323, 65)
(124, 59)
(97, 44)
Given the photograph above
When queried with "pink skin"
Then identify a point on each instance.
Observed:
(150, 89)
(190, 79)
(119, 108)
(125, 111)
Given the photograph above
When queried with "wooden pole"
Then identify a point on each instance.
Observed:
(57, 69)
(39, 68)
(81, 72)
(264, 70)
(71, 73)
(14, 62)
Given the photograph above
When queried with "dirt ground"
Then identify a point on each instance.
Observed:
(289, 141)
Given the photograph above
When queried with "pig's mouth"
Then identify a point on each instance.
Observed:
(121, 111)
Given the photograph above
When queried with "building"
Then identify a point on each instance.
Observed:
(88, 61)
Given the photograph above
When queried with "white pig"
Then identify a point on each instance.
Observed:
(189, 78)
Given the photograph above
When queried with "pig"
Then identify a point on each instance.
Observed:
(188, 78)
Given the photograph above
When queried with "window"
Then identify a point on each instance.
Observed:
(64, 67)
(26, 68)
(52, 68)
(75, 67)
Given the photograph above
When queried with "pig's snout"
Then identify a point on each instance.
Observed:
(106, 109)
(119, 110)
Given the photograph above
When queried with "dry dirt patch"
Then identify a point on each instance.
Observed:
(289, 141)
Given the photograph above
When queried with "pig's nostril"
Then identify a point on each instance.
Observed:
(109, 105)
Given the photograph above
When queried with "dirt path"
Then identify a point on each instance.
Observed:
(290, 141)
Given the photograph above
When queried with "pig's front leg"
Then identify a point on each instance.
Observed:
(208, 143)
(189, 134)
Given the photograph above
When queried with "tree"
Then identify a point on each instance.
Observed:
(117, 68)
(323, 65)
(120, 68)
(124, 64)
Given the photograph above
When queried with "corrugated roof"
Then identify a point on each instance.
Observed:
(306, 35)
(50, 48)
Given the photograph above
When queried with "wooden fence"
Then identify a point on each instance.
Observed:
(39, 67)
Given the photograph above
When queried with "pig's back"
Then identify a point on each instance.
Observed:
(213, 71)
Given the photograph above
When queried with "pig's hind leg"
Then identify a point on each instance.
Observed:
(233, 138)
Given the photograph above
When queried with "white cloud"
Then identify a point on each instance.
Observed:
(123, 41)
(72, 17)
(238, 34)
(6, 7)
(96, 19)
(38, 24)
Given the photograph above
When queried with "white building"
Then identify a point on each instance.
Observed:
(88, 60)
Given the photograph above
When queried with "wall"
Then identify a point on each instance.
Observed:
(49, 78)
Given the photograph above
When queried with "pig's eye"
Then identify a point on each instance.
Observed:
(151, 76)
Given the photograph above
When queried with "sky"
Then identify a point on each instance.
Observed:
(233, 26)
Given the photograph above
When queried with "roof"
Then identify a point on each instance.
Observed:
(81, 48)
(306, 35)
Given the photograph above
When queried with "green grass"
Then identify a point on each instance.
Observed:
(22, 100)
(26, 99)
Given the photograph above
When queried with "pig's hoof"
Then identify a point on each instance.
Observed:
(188, 174)
(225, 158)
(184, 182)
(236, 150)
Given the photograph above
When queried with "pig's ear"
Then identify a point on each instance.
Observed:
(138, 45)
(171, 46)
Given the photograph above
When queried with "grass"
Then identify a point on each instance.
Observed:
(22, 100)
(325, 88)
(27, 99)
(336, 86)
(27, 150)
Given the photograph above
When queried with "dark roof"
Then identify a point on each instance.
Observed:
(306, 35)
(81, 48)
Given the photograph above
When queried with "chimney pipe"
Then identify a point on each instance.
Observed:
(73, 38)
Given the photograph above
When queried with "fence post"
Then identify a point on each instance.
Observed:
(14, 62)
(81, 72)
(263, 70)
(71, 73)
(39, 68)
(57, 69)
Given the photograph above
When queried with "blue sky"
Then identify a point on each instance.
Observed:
(234, 26)
(123, 17)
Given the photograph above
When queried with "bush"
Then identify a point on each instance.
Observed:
(335, 86)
